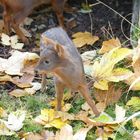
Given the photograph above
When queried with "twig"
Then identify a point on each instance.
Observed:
(119, 14)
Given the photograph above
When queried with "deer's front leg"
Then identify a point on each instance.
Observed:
(85, 92)
(59, 87)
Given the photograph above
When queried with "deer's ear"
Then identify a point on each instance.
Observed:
(60, 50)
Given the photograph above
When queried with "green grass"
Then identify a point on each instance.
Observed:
(33, 104)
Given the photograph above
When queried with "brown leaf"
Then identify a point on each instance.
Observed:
(18, 93)
(83, 38)
(101, 106)
(136, 135)
(32, 136)
(109, 96)
(109, 45)
(25, 81)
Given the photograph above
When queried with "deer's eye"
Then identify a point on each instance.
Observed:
(46, 62)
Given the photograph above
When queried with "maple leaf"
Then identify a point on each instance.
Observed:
(134, 103)
(110, 96)
(66, 133)
(134, 80)
(102, 71)
(109, 45)
(11, 41)
(48, 118)
(15, 121)
(83, 38)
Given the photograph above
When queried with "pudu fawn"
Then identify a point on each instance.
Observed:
(59, 56)
(15, 11)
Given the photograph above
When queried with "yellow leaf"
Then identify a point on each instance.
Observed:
(57, 123)
(102, 84)
(4, 130)
(102, 70)
(2, 112)
(121, 74)
(109, 45)
(83, 38)
(48, 114)
(120, 53)
(136, 123)
(134, 82)
(53, 103)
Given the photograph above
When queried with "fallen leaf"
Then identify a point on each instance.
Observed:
(33, 136)
(48, 135)
(2, 112)
(110, 96)
(109, 45)
(66, 133)
(18, 93)
(136, 123)
(101, 106)
(14, 64)
(4, 131)
(11, 41)
(134, 103)
(83, 38)
(26, 91)
(48, 118)
(88, 56)
(120, 113)
(15, 121)
(102, 71)
(28, 21)
(57, 123)
(136, 135)
(5, 39)
(82, 133)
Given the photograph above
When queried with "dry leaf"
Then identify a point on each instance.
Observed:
(109, 45)
(48, 135)
(27, 91)
(4, 131)
(136, 135)
(101, 106)
(83, 38)
(136, 123)
(14, 64)
(109, 96)
(102, 71)
(11, 41)
(66, 133)
(15, 121)
(18, 93)
(120, 113)
(48, 118)
(2, 112)
(134, 80)
(33, 136)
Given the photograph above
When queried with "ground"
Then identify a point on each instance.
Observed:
(105, 24)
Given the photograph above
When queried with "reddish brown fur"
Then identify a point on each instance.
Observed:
(60, 57)
(15, 11)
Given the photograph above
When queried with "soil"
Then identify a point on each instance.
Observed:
(105, 23)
